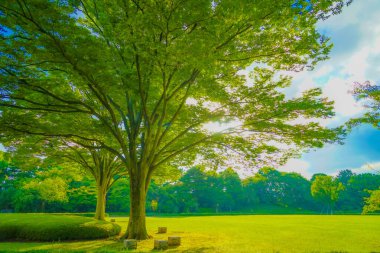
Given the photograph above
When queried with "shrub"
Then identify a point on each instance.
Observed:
(49, 227)
(91, 215)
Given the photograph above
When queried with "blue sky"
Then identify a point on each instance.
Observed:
(354, 58)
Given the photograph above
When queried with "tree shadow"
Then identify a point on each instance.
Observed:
(198, 250)
(174, 249)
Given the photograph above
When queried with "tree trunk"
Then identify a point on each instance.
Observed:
(43, 206)
(136, 225)
(100, 213)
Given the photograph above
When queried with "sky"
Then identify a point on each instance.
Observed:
(355, 57)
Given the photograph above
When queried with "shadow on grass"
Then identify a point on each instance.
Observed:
(191, 250)
(172, 249)
(106, 245)
(198, 250)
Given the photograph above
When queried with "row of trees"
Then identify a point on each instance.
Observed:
(197, 190)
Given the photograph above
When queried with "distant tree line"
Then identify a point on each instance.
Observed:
(196, 191)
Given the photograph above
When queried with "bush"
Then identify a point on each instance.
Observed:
(49, 227)
(91, 215)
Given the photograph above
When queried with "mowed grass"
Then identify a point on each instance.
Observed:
(248, 233)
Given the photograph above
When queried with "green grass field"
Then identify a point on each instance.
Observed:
(248, 233)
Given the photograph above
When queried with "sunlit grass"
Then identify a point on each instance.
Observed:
(256, 233)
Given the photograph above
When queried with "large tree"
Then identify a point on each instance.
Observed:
(149, 75)
(104, 167)
(33, 151)
(326, 189)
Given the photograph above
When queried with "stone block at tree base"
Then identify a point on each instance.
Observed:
(160, 244)
(162, 230)
(174, 240)
(130, 244)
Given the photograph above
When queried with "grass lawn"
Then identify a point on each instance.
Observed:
(248, 233)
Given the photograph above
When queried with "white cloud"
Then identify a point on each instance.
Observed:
(373, 167)
(191, 101)
(354, 58)
(337, 89)
(297, 165)
(220, 127)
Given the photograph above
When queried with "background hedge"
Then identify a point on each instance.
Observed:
(53, 227)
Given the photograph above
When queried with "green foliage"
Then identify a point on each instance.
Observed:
(49, 189)
(369, 95)
(232, 189)
(87, 73)
(121, 74)
(202, 191)
(326, 190)
(118, 196)
(104, 167)
(344, 176)
(196, 191)
(46, 227)
(44, 190)
(284, 189)
(154, 205)
(316, 175)
(82, 196)
(90, 215)
(372, 203)
(357, 189)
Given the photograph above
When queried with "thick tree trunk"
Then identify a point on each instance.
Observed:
(100, 213)
(136, 225)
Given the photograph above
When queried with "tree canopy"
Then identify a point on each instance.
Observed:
(326, 189)
(369, 95)
(372, 202)
(103, 166)
(141, 79)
